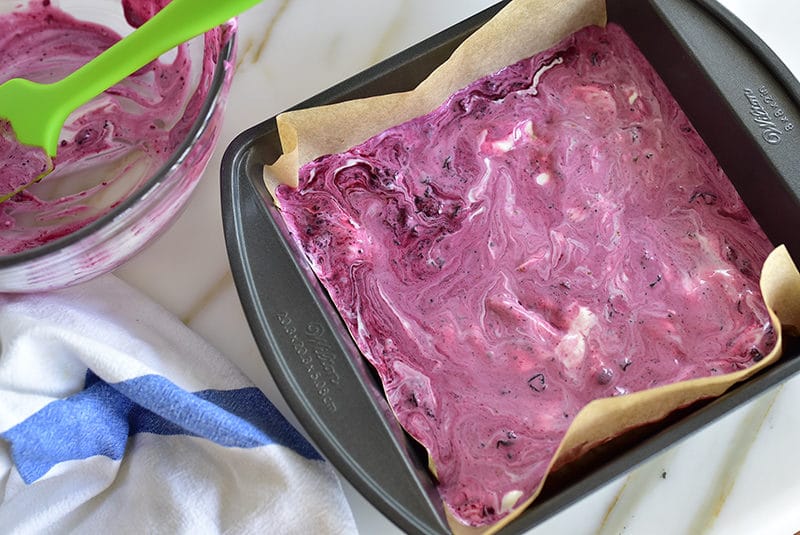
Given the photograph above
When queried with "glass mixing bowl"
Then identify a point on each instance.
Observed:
(99, 212)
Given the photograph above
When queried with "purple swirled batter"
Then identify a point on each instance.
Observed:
(554, 233)
(129, 131)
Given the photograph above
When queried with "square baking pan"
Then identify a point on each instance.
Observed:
(744, 102)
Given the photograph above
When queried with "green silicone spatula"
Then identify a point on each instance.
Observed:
(37, 112)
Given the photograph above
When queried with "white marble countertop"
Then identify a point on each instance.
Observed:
(739, 475)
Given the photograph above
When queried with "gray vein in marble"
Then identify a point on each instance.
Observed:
(393, 33)
(264, 39)
(736, 453)
(222, 284)
(613, 506)
(623, 509)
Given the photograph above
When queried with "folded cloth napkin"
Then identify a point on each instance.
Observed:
(115, 417)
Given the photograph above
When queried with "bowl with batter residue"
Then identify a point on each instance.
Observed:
(127, 161)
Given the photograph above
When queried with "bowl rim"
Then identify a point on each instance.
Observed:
(216, 91)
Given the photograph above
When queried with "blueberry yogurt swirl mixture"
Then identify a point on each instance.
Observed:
(554, 233)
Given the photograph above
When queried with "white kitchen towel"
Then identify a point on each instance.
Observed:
(117, 418)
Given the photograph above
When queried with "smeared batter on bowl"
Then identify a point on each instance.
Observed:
(108, 148)
(554, 233)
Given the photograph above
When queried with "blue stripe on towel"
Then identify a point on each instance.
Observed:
(99, 419)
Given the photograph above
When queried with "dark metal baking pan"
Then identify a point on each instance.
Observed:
(741, 99)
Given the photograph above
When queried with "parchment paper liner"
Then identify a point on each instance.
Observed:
(520, 30)
(308, 134)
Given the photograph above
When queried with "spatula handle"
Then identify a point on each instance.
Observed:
(177, 22)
